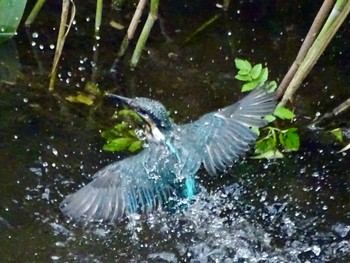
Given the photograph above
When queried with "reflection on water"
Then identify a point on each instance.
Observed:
(290, 210)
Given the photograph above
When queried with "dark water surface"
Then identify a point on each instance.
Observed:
(295, 209)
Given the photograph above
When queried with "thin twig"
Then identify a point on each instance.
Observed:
(202, 27)
(335, 112)
(136, 18)
(62, 35)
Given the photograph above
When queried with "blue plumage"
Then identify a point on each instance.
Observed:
(165, 169)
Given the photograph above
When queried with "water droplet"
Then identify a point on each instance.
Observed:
(315, 174)
(263, 196)
(316, 249)
(54, 151)
(36, 171)
(59, 244)
(46, 194)
(342, 229)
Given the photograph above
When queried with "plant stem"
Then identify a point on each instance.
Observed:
(226, 4)
(98, 17)
(335, 112)
(130, 33)
(339, 5)
(62, 35)
(136, 18)
(33, 14)
(152, 16)
(309, 40)
(201, 28)
(315, 52)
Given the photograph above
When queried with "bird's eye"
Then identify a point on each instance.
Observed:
(142, 111)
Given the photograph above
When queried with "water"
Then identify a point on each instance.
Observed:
(291, 210)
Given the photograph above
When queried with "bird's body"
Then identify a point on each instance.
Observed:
(166, 168)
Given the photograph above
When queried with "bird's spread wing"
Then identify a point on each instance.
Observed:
(226, 134)
(122, 188)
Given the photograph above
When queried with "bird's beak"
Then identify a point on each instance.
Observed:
(121, 99)
(129, 103)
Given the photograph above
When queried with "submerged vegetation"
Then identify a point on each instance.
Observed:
(122, 136)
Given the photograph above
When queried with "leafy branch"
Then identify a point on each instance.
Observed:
(273, 139)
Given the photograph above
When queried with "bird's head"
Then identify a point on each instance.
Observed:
(152, 112)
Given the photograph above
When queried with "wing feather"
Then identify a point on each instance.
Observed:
(248, 121)
(208, 161)
(118, 190)
(226, 134)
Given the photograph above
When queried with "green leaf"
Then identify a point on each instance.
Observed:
(255, 130)
(11, 12)
(273, 154)
(126, 112)
(92, 88)
(248, 86)
(293, 129)
(281, 139)
(256, 70)
(271, 86)
(284, 113)
(109, 135)
(264, 75)
(269, 118)
(81, 98)
(243, 72)
(119, 144)
(121, 127)
(131, 113)
(132, 134)
(338, 134)
(290, 139)
(243, 64)
(135, 146)
(266, 144)
(243, 77)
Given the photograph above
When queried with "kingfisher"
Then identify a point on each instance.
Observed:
(164, 172)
